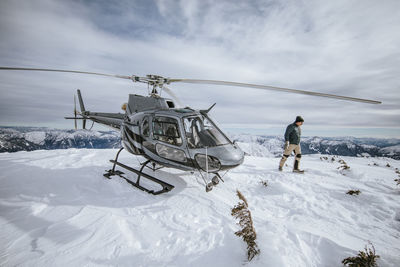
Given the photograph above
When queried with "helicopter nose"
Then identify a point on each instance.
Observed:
(231, 157)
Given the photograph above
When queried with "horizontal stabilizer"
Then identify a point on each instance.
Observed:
(73, 118)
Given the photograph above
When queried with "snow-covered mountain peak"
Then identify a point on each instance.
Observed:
(30, 138)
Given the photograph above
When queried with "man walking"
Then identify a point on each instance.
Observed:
(292, 143)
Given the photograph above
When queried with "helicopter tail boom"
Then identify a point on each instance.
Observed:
(113, 120)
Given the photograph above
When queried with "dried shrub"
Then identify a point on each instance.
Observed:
(353, 192)
(327, 159)
(247, 233)
(397, 180)
(366, 258)
(264, 182)
(344, 165)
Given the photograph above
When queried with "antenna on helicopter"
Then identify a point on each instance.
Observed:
(205, 111)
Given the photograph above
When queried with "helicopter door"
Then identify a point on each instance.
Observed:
(166, 130)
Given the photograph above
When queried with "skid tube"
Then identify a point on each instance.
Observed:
(166, 187)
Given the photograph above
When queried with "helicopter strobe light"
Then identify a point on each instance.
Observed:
(170, 153)
(213, 163)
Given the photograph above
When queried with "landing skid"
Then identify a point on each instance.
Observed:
(165, 186)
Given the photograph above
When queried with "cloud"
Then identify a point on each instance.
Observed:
(340, 47)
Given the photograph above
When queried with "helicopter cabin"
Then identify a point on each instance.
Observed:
(138, 103)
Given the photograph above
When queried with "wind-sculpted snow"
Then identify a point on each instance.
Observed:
(57, 209)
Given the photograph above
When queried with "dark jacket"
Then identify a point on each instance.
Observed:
(292, 134)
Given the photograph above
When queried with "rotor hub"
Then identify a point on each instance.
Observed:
(152, 80)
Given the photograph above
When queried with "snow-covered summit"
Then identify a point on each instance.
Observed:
(14, 139)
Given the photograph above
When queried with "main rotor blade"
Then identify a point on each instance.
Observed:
(172, 94)
(227, 83)
(70, 71)
(266, 87)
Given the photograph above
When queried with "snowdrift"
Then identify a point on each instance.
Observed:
(56, 209)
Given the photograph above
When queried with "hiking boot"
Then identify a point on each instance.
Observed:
(296, 167)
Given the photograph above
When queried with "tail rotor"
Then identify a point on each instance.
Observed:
(79, 115)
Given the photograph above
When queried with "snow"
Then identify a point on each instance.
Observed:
(36, 137)
(391, 149)
(259, 146)
(57, 209)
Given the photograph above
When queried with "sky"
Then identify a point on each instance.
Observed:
(338, 47)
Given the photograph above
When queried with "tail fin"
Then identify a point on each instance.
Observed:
(75, 113)
(81, 101)
(82, 108)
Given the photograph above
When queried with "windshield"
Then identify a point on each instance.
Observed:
(201, 132)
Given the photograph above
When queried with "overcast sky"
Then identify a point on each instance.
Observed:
(339, 47)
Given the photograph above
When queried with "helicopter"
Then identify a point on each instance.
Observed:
(166, 135)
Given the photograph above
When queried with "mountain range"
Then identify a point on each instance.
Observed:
(13, 139)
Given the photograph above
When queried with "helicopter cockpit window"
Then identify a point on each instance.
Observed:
(202, 132)
(166, 130)
(145, 127)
